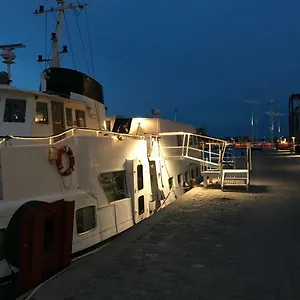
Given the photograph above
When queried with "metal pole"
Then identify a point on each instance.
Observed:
(183, 144)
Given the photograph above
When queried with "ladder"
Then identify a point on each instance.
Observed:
(235, 177)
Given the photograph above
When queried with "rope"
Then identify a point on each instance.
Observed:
(90, 44)
(72, 53)
(82, 44)
(46, 38)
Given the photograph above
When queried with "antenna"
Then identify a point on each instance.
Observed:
(155, 113)
(55, 36)
(175, 114)
(8, 56)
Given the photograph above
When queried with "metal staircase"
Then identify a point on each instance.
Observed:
(215, 157)
(236, 177)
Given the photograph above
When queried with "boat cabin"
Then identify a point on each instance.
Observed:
(67, 99)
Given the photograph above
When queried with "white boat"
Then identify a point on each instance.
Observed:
(58, 143)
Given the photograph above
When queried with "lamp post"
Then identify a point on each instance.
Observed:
(252, 100)
(273, 114)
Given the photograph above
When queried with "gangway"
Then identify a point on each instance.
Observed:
(214, 156)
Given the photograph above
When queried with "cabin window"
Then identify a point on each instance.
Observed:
(114, 185)
(86, 219)
(193, 173)
(141, 203)
(80, 118)
(108, 125)
(179, 179)
(69, 116)
(186, 176)
(41, 114)
(140, 179)
(15, 111)
(171, 182)
(195, 140)
(179, 140)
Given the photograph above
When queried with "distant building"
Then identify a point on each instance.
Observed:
(294, 117)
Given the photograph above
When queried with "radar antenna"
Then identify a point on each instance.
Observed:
(8, 56)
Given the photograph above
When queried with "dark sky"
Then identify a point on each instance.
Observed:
(197, 56)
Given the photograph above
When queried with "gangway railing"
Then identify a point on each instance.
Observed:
(208, 151)
(214, 155)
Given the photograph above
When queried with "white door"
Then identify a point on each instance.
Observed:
(140, 195)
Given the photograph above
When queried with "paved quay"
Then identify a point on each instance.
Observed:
(208, 245)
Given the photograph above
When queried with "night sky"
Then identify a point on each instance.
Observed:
(199, 57)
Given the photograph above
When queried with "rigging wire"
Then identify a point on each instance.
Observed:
(82, 44)
(72, 53)
(90, 44)
(46, 38)
(50, 54)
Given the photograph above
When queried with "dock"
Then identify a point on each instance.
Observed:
(208, 244)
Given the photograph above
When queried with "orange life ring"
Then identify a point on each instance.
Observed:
(59, 165)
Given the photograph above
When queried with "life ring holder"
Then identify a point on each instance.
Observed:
(60, 152)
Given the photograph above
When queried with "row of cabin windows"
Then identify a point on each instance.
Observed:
(193, 140)
(115, 188)
(86, 219)
(186, 177)
(15, 111)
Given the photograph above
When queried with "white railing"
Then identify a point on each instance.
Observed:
(208, 151)
(211, 153)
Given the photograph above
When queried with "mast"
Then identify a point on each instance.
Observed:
(56, 36)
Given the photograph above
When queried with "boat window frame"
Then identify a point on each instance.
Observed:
(180, 179)
(95, 216)
(84, 119)
(47, 113)
(112, 191)
(9, 119)
(171, 182)
(141, 205)
(72, 117)
(140, 176)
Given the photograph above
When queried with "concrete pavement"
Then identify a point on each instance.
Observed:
(208, 244)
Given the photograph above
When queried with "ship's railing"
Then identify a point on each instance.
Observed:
(10, 140)
(208, 151)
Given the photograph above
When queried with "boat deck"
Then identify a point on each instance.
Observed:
(208, 244)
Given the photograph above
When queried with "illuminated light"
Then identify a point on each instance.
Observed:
(141, 122)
